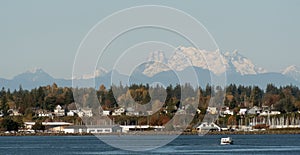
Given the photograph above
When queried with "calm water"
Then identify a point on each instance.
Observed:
(243, 144)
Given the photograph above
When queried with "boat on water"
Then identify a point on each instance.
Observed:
(226, 141)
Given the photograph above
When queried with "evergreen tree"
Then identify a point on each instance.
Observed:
(256, 96)
(4, 106)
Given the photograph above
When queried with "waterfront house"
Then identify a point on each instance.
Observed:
(205, 126)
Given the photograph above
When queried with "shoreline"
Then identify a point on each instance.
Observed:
(261, 132)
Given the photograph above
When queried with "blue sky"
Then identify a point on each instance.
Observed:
(46, 34)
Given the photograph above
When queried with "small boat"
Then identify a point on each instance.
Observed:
(226, 141)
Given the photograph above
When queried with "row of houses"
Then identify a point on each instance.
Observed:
(60, 112)
(128, 112)
(264, 111)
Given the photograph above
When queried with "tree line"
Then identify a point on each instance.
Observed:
(167, 101)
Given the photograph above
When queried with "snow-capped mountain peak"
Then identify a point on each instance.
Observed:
(190, 56)
(214, 61)
(241, 64)
(290, 69)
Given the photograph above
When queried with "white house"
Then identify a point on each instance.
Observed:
(227, 111)
(70, 113)
(59, 111)
(45, 114)
(105, 112)
(118, 112)
(212, 110)
(87, 112)
(243, 111)
(205, 126)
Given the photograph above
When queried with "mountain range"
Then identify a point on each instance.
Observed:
(184, 62)
(213, 61)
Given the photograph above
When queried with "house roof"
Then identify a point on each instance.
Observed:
(208, 126)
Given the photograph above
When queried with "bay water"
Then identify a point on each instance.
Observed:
(185, 144)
